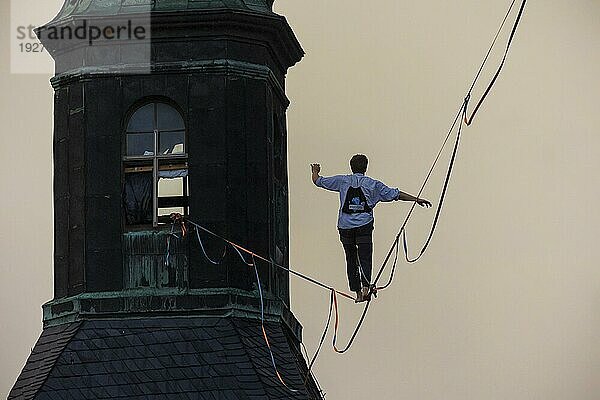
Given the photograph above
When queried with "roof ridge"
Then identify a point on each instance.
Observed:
(30, 389)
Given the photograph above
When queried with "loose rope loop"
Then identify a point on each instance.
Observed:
(356, 330)
(323, 336)
(262, 324)
(204, 250)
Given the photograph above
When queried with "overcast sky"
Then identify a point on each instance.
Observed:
(505, 304)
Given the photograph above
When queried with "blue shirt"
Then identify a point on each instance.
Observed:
(374, 190)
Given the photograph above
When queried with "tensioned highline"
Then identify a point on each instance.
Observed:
(462, 116)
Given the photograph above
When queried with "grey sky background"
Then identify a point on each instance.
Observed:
(505, 304)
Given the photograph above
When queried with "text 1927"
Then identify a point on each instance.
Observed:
(31, 47)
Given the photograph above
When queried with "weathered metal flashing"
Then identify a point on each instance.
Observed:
(168, 301)
(145, 264)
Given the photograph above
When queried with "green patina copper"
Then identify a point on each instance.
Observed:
(97, 8)
(145, 262)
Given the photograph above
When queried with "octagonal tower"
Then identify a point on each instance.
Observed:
(161, 107)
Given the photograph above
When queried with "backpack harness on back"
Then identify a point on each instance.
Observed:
(356, 201)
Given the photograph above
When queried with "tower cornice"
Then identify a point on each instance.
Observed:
(270, 30)
(148, 302)
(219, 66)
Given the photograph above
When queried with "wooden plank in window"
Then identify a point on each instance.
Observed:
(173, 201)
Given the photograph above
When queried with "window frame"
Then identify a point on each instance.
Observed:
(154, 162)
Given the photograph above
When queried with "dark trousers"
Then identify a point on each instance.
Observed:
(358, 246)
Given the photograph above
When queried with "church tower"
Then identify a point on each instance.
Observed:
(168, 108)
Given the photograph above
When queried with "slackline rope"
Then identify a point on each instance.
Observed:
(240, 248)
(461, 115)
(469, 120)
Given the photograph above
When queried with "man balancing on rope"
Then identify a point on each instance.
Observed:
(358, 196)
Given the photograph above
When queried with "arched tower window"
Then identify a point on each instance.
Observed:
(155, 165)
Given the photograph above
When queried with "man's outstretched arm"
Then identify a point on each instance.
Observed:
(388, 194)
(408, 197)
(332, 183)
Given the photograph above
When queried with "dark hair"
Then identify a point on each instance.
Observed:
(358, 163)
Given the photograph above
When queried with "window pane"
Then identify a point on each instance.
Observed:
(171, 143)
(137, 198)
(140, 144)
(169, 211)
(169, 118)
(170, 187)
(142, 120)
(170, 194)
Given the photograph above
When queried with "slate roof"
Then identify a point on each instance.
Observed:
(209, 358)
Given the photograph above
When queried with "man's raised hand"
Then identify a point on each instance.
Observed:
(316, 168)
